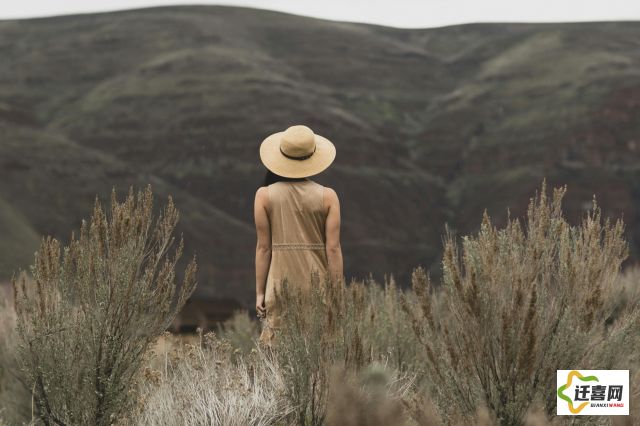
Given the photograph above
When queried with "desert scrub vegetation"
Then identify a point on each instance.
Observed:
(516, 304)
(478, 347)
(93, 308)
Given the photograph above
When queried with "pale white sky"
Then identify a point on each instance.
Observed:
(399, 13)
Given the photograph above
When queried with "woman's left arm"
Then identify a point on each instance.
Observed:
(263, 247)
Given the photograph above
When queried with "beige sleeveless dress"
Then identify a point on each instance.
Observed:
(297, 218)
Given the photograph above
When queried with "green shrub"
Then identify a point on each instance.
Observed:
(240, 331)
(387, 330)
(94, 307)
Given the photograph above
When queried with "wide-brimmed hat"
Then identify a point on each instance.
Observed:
(297, 152)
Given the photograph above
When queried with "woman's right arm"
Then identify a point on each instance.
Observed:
(263, 247)
(332, 231)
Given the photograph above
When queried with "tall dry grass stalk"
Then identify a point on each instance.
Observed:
(95, 306)
(519, 303)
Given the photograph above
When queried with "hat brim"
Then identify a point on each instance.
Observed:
(275, 161)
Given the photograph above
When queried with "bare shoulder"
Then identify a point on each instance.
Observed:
(261, 192)
(330, 192)
(330, 196)
(262, 195)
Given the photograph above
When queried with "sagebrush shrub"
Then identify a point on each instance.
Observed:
(94, 307)
(319, 328)
(517, 304)
(333, 325)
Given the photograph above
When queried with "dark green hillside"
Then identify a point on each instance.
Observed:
(431, 126)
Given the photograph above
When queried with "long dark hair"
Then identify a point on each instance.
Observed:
(271, 177)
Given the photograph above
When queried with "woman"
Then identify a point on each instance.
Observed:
(297, 220)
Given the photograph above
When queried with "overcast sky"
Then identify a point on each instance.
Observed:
(399, 13)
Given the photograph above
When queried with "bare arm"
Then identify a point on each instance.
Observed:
(332, 231)
(263, 247)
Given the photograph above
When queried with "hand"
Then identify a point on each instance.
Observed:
(261, 309)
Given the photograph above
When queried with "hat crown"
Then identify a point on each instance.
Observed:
(298, 141)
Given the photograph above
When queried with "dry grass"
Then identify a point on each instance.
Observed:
(210, 383)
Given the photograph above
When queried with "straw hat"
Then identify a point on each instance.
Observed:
(297, 152)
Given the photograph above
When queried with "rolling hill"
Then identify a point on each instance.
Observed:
(431, 126)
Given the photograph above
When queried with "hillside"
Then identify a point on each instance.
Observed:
(431, 126)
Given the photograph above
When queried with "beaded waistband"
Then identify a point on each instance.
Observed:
(297, 246)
